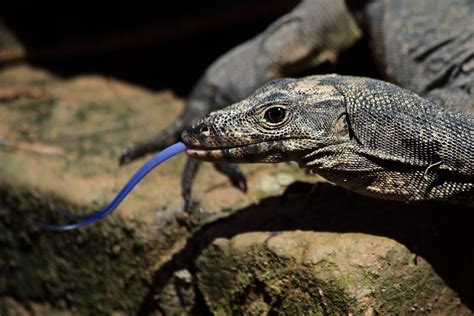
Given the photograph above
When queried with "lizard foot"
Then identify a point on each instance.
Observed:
(129, 154)
(233, 172)
(168, 136)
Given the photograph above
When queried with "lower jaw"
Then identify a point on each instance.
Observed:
(209, 155)
(232, 155)
(225, 154)
(249, 153)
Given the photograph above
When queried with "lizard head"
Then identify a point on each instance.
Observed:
(281, 121)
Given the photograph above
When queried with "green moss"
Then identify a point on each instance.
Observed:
(258, 277)
(250, 273)
(97, 270)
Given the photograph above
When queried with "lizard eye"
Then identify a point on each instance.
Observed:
(275, 115)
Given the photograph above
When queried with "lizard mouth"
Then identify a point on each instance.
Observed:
(262, 151)
(222, 153)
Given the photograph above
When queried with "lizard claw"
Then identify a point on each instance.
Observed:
(234, 173)
(125, 157)
(131, 153)
(189, 173)
(167, 137)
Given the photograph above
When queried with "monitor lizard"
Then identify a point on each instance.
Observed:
(366, 135)
(425, 46)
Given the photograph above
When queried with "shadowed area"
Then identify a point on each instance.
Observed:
(158, 45)
(439, 233)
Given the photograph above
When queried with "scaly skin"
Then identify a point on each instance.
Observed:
(367, 135)
(426, 46)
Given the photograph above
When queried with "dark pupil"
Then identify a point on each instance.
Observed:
(275, 115)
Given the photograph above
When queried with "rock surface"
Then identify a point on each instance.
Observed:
(59, 143)
(296, 273)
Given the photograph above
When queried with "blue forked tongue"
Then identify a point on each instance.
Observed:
(151, 164)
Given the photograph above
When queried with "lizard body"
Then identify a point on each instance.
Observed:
(424, 46)
(367, 135)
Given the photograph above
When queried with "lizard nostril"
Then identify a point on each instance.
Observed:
(204, 130)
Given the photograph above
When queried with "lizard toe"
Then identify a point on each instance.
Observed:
(234, 173)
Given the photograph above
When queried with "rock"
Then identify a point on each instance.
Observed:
(61, 140)
(298, 272)
(59, 144)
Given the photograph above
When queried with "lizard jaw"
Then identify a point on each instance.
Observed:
(264, 151)
(227, 154)
(205, 154)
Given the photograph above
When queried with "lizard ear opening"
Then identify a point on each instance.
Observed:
(340, 128)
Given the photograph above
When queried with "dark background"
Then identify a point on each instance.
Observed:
(160, 44)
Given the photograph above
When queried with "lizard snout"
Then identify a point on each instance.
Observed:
(204, 130)
(197, 134)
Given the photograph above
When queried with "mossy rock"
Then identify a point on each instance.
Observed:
(61, 139)
(296, 273)
(59, 144)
